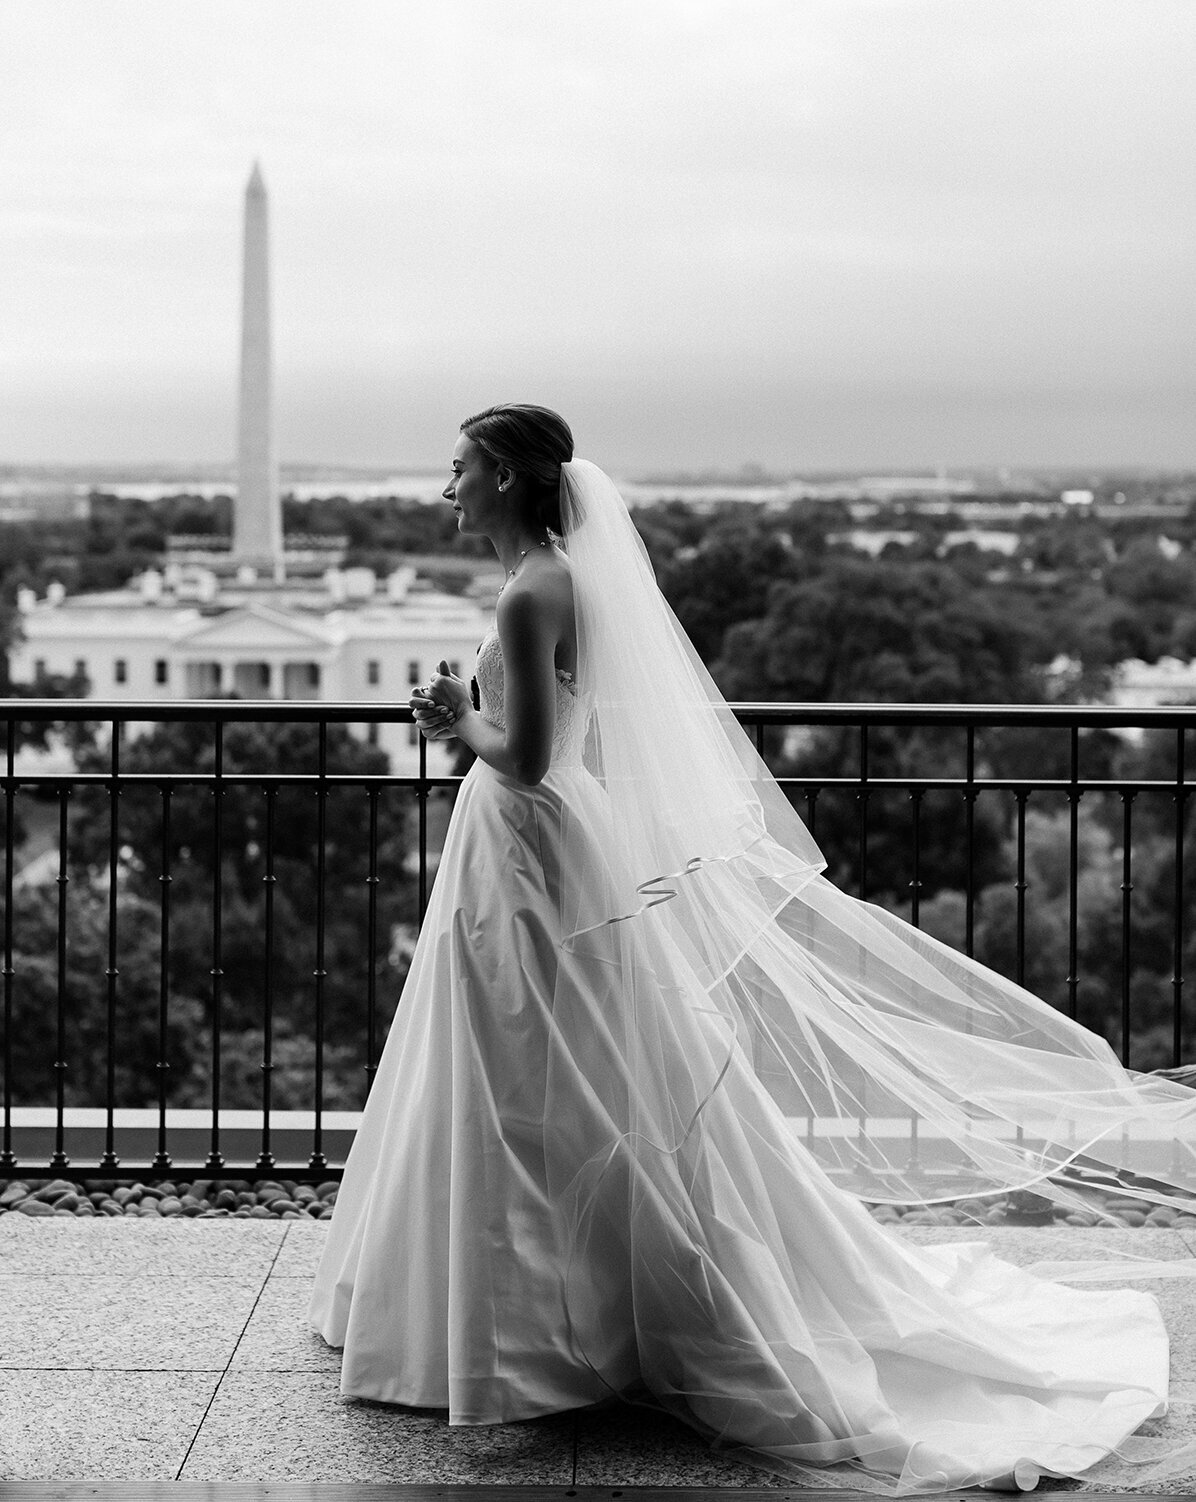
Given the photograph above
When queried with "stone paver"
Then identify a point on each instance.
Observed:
(66, 1246)
(1026, 1245)
(70, 1425)
(300, 1253)
(155, 1350)
(629, 1446)
(278, 1337)
(131, 1324)
(294, 1426)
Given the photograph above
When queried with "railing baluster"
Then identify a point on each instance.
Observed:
(913, 1162)
(970, 794)
(112, 973)
(318, 1160)
(812, 810)
(162, 1159)
(371, 980)
(215, 1160)
(915, 797)
(862, 797)
(265, 1159)
(915, 886)
(421, 795)
(1073, 879)
(1177, 977)
(8, 1159)
(1021, 886)
(59, 1159)
(1127, 887)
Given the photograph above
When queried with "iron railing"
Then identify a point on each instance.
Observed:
(865, 740)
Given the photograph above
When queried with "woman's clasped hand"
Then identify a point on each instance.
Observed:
(438, 705)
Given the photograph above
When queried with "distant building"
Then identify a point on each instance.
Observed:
(874, 540)
(913, 487)
(30, 500)
(188, 635)
(986, 539)
(1147, 685)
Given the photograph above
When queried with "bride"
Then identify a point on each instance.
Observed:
(648, 1064)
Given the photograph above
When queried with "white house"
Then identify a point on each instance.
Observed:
(344, 638)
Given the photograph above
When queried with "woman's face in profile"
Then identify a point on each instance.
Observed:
(473, 487)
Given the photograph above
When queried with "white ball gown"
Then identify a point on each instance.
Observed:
(588, 1164)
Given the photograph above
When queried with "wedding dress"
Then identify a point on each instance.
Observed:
(646, 1066)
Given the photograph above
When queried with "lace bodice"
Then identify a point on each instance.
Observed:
(566, 739)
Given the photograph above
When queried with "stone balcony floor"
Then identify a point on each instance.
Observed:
(179, 1350)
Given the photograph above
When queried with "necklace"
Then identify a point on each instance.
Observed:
(512, 571)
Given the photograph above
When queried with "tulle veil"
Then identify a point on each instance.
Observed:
(912, 1074)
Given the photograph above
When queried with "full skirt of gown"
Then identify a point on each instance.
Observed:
(569, 1181)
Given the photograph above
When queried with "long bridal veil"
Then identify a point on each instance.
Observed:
(761, 1033)
(911, 1073)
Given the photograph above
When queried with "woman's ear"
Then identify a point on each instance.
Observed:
(505, 476)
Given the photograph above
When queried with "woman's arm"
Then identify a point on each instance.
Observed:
(528, 631)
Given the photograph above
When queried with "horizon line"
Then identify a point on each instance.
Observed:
(745, 472)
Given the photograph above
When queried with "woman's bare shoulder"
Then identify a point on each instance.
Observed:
(559, 575)
(545, 591)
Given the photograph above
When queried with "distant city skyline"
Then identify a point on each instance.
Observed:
(836, 234)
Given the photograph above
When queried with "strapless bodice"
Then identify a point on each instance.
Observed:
(566, 739)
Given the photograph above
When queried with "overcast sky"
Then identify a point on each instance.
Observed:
(799, 232)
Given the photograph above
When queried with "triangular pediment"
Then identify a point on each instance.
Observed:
(252, 627)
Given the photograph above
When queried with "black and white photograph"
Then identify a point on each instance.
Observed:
(598, 636)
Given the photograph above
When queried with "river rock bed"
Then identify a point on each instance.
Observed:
(288, 1199)
(1023, 1207)
(204, 1199)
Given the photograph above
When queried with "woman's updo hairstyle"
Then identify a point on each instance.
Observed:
(534, 442)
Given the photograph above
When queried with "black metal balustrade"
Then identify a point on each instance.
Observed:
(964, 786)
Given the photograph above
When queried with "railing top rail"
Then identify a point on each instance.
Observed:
(300, 711)
(1167, 717)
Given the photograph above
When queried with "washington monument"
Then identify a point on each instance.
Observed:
(257, 514)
